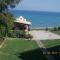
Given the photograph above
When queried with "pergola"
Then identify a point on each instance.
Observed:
(22, 24)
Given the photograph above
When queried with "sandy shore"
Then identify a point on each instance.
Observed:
(43, 35)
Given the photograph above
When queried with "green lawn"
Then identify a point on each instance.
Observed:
(57, 32)
(21, 50)
(50, 43)
(53, 47)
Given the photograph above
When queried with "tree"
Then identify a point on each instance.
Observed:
(6, 18)
(5, 4)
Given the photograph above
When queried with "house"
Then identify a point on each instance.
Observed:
(22, 24)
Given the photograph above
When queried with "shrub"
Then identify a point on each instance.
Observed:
(29, 36)
(55, 29)
(58, 28)
(16, 34)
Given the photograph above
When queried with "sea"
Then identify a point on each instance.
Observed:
(39, 18)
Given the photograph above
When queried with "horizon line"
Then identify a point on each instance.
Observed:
(36, 10)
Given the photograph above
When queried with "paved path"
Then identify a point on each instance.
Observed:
(2, 43)
(43, 35)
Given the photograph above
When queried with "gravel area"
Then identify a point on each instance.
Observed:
(43, 35)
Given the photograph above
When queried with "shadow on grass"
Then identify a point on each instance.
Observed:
(55, 52)
(37, 54)
(32, 55)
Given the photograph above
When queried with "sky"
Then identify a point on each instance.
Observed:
(39, 5)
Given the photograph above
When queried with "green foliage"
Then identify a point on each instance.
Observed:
(59, 28)
(55, 29)
(5, 4)
(6, 18)
(6, 22)
(16, 34)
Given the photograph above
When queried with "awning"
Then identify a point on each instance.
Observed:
(22, 20)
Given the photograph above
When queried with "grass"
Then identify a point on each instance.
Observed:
(57, 32)
(53, 47)
(50, 43)
(21, 50)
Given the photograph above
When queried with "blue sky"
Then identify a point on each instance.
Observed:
(39, 5)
